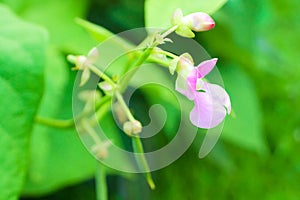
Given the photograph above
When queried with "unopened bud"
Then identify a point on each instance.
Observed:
(132, 128)
(118, 110)
(81, 62)
(199, 21)
(77, 60)
(101, 150)
(106, 87)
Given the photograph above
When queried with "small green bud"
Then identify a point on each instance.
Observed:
(132, 128)
(101, 150)
(106, 87)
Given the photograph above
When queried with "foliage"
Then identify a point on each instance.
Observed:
(257, 43)
(21, 64)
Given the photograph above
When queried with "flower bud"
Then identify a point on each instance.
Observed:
(81, 62)
(199, 21)
(106, 87)
(132, 128)
(101, 150)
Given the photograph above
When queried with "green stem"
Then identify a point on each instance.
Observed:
(161, 62)
(137, 144)
(138, 148)
(101, 186)
(144, 55)
(57, 123)
(98, 105)
(101, 74)
(69, 123)
(100, 113)
(124, 106)
(169, 31)
(87, 126)
(169, 54)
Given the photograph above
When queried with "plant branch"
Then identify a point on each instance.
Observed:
(56, 123)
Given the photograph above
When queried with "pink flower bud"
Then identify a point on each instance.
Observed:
(199, 21)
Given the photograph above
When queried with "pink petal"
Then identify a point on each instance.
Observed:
(206, 113)
(219, 95)
(205, 67)
(192, 79)
(199, 21)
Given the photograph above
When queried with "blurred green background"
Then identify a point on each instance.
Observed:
(257, 43)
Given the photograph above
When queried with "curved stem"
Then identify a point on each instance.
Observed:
(69, 123)
(56, 123)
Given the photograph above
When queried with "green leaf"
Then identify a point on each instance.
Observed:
(21, 78)
(158, 13)
(15, 5)
(244, 126)
(59, 18)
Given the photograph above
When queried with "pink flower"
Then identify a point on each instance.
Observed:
(211, 101)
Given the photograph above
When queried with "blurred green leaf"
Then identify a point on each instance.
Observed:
(158, 13)
(244, 126)
(59, 18)
(15, 5)
(22, 60)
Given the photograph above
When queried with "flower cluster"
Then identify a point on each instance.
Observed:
(211, 102)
